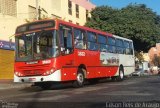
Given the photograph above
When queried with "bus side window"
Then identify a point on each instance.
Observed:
(111, 42)
(102, 41)
(119, 46)
(79, 39)
(126, 45)
(66, 39)
(91, 38)
(131, 48)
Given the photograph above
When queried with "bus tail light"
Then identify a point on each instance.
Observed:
(49, 72)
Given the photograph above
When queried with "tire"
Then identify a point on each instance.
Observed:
(121, 74)
(79, 80)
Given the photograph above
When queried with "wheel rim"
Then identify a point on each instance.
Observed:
(121, 74)
(80, 78)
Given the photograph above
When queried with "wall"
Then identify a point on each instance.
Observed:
(7, 26)
(154, 51)
(6, 64)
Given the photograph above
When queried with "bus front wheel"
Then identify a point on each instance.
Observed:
(79, 82)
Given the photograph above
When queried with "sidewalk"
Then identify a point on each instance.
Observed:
(9, 84)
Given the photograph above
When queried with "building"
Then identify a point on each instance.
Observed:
(17, 12)
(154, 52)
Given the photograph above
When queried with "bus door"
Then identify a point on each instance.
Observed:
(66, 47)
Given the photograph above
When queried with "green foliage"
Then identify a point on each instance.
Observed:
(136, 22)
(139, 56)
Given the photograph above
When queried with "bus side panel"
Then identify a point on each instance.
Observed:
(128, 63)
(106, 71)
(109, 62)
(68, 73)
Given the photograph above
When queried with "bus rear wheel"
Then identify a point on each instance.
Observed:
(79, 82)
(121, 75)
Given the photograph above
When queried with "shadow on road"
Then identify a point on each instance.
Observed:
(55, 86)
(65, 85)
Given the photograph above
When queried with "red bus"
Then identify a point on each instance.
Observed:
(50, 51)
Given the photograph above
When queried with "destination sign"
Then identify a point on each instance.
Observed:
(35, 26)
(41, 25)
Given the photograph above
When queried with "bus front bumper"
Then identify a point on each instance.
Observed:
(56, 76)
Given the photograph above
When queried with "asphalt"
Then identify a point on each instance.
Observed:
(9, 84)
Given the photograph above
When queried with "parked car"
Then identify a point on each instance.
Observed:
(141, 72)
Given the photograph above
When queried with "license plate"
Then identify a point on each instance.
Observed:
(32, 79)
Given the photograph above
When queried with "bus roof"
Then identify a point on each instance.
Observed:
(85, 28)
(118, 37)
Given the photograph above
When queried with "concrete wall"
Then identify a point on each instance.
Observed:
(7, 26)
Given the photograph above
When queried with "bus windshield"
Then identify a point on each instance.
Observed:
(37, 46)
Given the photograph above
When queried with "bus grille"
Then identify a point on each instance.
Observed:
(33, 72)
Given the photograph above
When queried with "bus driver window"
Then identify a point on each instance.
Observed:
(66, 40)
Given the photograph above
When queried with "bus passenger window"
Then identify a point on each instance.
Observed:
(79, 39)
(112, 49)
(91, 38)
(66, 39)
(119, 46)
(126, 45)
(131, 48)
(111, 42)
(102, 41)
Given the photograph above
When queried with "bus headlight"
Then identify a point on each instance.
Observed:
(49, 72)
(18, 74)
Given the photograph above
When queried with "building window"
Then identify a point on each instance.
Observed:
(87, 15)
(69, 7)
(70, 21)
(77, 11)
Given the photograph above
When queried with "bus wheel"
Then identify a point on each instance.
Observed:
(80, 80)
(121, 75)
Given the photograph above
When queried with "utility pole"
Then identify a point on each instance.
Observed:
(37, 10)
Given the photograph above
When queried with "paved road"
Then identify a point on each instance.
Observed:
(133, 92)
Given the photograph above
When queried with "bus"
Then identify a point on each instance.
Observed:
(53, 50)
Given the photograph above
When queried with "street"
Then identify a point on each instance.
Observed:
(128, 93)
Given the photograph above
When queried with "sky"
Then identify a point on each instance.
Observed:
(153, 4)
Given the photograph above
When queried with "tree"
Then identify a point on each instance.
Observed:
(136, 22)
(156, 60)
(139, 56)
